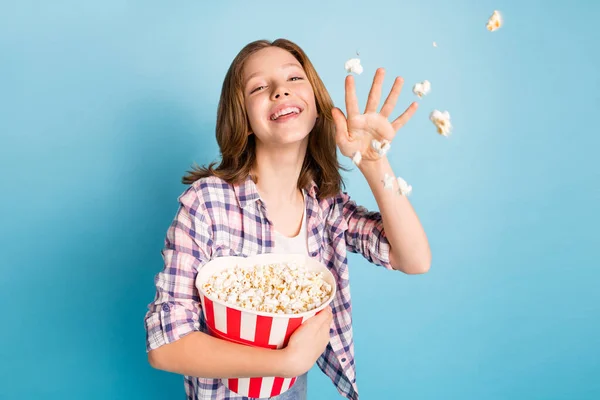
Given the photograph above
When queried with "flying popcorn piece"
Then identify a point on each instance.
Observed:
(388, 182)
(422, 89)
(404, 188)
(357, 158)
(353, 65)
(434, 44)
(381, 147)
(441, 120)
(494, 22)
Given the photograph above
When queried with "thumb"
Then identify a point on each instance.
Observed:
(325, 314)
(318, 318)
(327, 319)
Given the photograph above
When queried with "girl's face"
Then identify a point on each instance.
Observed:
(279, 99)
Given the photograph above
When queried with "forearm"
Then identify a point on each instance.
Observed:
(410, 251)
(201, 355)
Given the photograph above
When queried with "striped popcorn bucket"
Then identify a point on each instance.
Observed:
(255, 328)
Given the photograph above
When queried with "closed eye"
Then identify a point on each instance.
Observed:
(257, 89)
(293, 79)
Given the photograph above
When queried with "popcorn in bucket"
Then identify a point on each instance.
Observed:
(260, 301)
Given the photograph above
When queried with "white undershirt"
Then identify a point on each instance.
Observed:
(293, 245)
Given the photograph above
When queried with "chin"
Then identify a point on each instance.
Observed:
(288, 141)
(292, 136)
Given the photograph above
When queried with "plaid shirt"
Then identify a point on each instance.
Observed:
(216, 219)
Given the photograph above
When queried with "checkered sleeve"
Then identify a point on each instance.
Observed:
(365, 234)
(176, 310)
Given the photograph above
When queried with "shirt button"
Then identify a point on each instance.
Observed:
(344, 359)
(166, 307)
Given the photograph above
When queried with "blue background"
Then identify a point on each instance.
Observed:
(105, 105)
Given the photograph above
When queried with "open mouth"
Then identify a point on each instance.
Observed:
(285, 113)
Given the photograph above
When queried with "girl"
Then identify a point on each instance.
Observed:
(278, 188)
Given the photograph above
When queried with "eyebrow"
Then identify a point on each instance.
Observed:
(284, 66)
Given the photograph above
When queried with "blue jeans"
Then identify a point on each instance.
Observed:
(297, 392)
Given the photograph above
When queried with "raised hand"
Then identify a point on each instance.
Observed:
(355, 132)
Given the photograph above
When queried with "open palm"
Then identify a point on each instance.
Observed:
(356, 132)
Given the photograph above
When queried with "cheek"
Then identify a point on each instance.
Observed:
(309, 94)
(253, 111)
(312, 102)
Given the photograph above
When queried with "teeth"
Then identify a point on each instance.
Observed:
(285, 111)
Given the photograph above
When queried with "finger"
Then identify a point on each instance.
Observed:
(328, 315)
(325, 329)
(317, 321)
(325, 311)
(351, 102)
(390, 102)
(322, 313)
(327, 318)
(341, 126)
(375, 93)
(406, 115)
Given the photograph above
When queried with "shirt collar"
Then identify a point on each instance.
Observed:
(247, 193)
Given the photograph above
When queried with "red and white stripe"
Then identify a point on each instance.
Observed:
(250, 329)
(259, 387)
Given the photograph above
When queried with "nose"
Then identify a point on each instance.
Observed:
(279, 93)
(280, 90)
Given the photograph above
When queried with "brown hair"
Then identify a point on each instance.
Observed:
(237, 148)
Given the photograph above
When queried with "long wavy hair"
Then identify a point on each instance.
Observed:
(237, 148)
